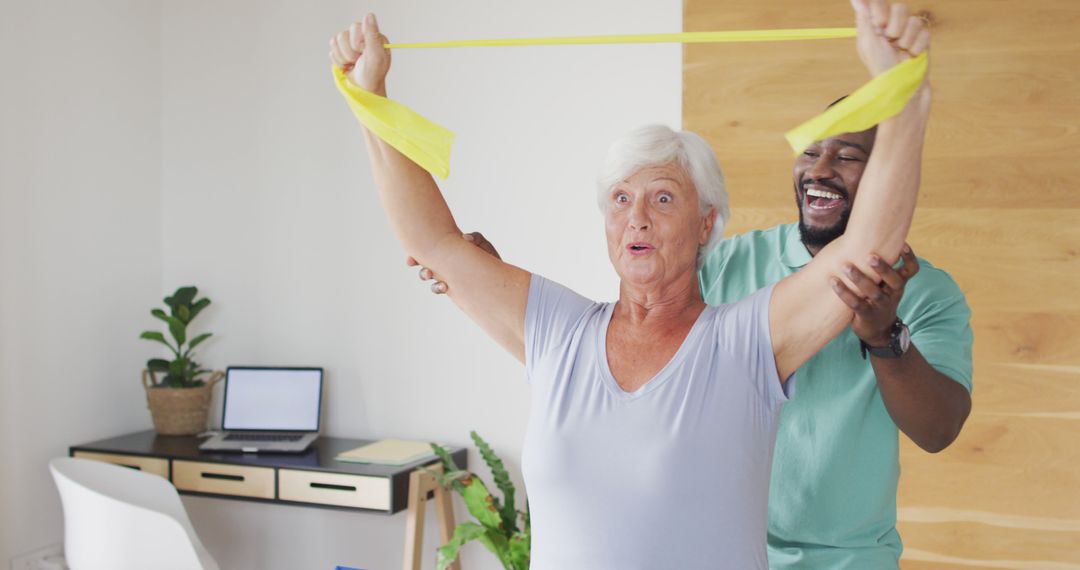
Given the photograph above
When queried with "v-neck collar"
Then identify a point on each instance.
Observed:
(661, 376)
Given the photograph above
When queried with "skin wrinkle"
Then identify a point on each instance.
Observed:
(660, 298)
(637, 212)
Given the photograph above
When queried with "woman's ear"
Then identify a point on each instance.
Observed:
(707, 225)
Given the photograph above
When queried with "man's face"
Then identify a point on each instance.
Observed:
(826, 178)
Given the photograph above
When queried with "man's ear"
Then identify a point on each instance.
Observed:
(707, 225)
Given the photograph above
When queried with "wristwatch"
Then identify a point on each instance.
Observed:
(899, 342)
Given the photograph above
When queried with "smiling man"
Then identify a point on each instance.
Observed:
(904, 365)
(824, 199)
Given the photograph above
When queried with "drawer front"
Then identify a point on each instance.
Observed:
(241, 481)
(152, 465)
(337, 489)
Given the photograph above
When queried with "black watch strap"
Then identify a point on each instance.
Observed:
(899, 341)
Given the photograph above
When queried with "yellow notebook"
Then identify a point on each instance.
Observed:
(388, 452)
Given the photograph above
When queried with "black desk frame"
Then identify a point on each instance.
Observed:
(407, 487)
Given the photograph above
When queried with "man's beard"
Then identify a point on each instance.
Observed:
(821, 237)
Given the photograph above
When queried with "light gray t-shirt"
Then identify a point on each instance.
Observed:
(672, 476)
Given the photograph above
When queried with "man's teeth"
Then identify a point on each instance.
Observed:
(822, 194)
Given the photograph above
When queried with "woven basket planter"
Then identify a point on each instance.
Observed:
(178, 411)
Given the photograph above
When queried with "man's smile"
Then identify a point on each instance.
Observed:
(823, 197)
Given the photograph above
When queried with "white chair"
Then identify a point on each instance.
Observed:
(116, 518)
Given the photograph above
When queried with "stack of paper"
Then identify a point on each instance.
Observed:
(388, 452)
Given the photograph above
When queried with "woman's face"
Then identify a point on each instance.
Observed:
(654, 226)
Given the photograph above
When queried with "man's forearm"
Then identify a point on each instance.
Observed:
(928, 406)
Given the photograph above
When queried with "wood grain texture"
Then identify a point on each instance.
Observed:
(999, 210)
(1032, 390)
(1003, 465)
(980, 546)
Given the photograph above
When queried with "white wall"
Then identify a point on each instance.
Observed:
(269, 207)
(80, 239)
(265, 202)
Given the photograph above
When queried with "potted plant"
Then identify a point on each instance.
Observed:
(180, 399)
(497, 522)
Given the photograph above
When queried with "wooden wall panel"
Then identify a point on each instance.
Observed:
(999, 209)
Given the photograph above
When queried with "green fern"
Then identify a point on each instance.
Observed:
(502, 481)
(496, 527)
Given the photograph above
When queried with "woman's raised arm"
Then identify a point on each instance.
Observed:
(804, 313)
(491, 292)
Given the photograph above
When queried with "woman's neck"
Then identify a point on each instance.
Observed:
(669, 303)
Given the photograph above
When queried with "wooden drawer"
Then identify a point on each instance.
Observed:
(220, 479)
(154, 465)
(341, 490)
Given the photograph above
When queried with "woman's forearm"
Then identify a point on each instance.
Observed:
(413, 203)
(417, 211)
(885, 204)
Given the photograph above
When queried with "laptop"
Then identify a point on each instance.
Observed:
(268, 409)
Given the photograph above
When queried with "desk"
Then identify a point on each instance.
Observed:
(311, 479)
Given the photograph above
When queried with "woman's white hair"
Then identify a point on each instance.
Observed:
(657, 145)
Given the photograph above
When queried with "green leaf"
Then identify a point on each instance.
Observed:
(178, 367)
(447, 553)
(480, 502)
(452, 475)
(178, 330)
(447, 461)
(183, 313)
(198, 340)
(198, 307)
(446, 478)
(518, 551)
(156, 336)
(152, 335)
(160, 314)
(510, 545)
(502, 481)
(173, 381)
(498, 544)
(158, 364)
(453, 479)
(184, 296)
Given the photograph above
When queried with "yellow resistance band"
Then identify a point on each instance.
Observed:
(878, 99)
(428, 144)
(424, 142)
(681, 38)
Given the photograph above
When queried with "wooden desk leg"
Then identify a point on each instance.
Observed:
(414, 524)
(444, 510)
(420, 485)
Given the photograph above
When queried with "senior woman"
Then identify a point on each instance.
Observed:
(652, 419)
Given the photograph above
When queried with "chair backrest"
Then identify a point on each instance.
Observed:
(116, 518)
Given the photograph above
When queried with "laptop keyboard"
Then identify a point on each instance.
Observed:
(262, 437)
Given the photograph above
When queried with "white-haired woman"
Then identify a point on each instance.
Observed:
(653, 418)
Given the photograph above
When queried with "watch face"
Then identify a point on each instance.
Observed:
(904, 338)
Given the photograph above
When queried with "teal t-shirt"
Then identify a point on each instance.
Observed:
(832, 501)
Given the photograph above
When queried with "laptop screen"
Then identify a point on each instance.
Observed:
(272, 399)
